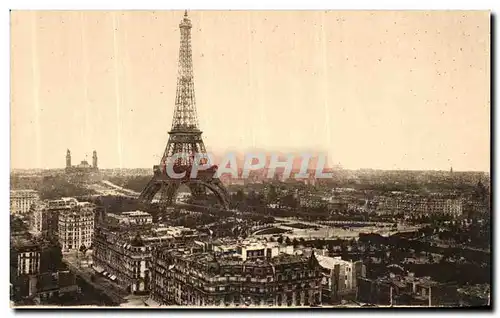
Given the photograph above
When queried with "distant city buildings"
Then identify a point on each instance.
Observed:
(420, 205)
(21, 201)
(84, 167)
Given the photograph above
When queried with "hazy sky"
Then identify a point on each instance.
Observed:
(385, 90)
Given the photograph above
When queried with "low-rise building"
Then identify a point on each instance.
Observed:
(398, 290)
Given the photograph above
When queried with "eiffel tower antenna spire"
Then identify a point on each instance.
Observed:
(185, 103)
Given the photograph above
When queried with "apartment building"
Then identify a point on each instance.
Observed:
(183, 277)
(340, 279)
(123, 254)
(76, 225)
(21, 201)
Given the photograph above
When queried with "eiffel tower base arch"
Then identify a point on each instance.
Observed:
(169, 187)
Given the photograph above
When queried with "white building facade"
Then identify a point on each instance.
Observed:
(76, 226)
(21, 201)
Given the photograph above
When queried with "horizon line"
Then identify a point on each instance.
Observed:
(327, 168)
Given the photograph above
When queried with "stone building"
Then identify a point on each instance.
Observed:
(25, 254)
(184, 277)
(130, 218)
(44, 216)
(82, 167)
(123, 253)
(34, 273)
(22, 200)
(340, 278)
(76, 225)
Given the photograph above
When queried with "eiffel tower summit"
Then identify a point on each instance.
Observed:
(185, 144)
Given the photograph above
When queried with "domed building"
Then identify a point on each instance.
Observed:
(83, 167)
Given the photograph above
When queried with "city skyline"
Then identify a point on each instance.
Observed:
(320, 77)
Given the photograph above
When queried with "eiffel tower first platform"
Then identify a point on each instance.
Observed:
(184, 138)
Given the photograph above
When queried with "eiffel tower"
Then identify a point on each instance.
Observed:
(185, 142)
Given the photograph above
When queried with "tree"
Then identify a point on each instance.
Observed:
(240, 196)
(280, 239)
(431, 258)
(289, 201)
(51, 258)
(272, 195)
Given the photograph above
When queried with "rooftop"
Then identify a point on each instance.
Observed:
(23, 193)
(330, 262)
(209, 257)
(482, 291)
(401, 280)
(136, 213)
(24, 240)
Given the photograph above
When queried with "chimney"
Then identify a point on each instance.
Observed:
(430, 296)
(390, 296)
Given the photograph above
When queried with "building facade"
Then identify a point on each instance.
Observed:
(83, 167)
(130, 218)
(418, 205)
(340, 278)
(124, 253)
(25, 255)
(34, 270)
(406, 290)
(76, 225)
(44, 220)
(122, 258)
(185, 277)
(22, 200)
(44, 216)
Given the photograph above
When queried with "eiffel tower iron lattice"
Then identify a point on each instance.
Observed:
(184, 138)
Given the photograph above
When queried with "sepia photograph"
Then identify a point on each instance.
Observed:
(239, 159)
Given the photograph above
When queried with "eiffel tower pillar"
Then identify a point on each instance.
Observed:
(185, 139)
